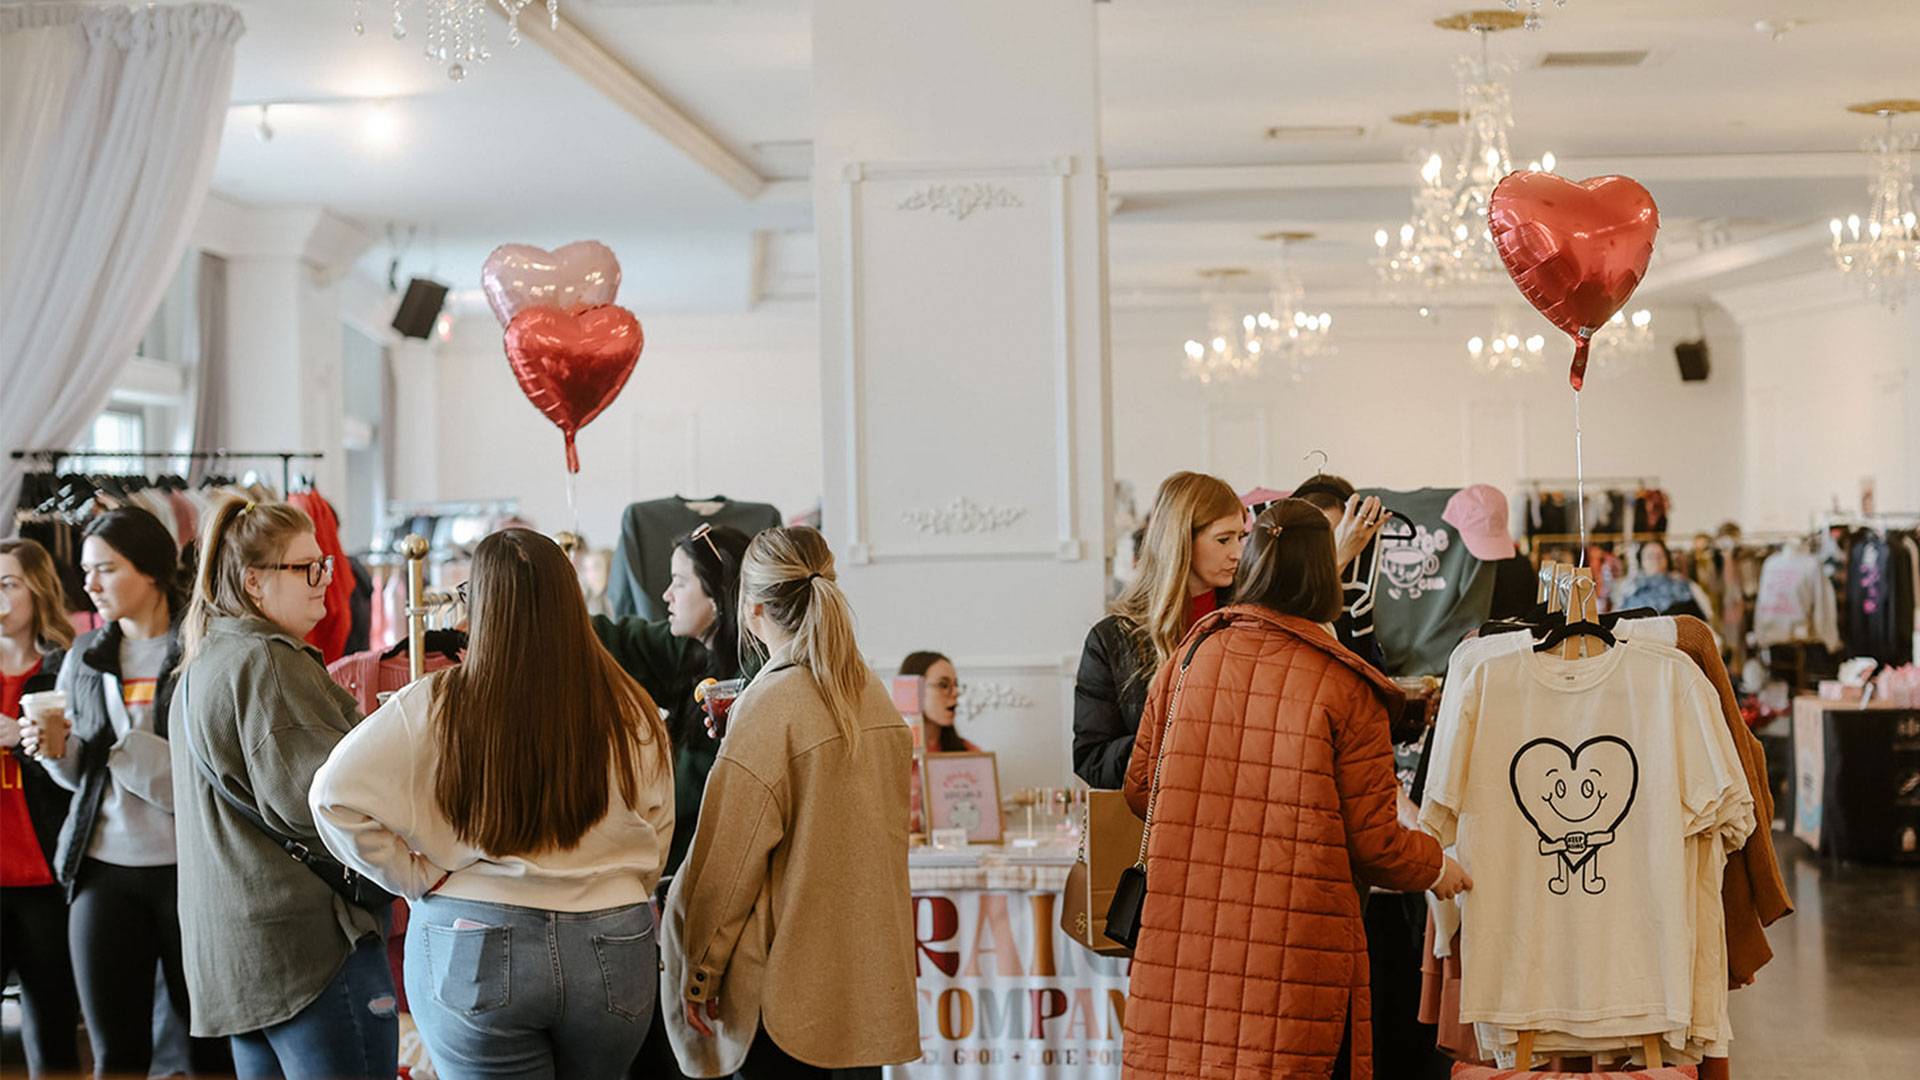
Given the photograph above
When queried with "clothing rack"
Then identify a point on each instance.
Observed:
(1591, 481)
(53, 458)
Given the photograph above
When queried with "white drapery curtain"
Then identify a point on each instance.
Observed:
(110, 121)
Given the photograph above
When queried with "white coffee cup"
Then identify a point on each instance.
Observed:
(47, 711)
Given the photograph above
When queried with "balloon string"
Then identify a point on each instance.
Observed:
(1579, 479)
(573, 507)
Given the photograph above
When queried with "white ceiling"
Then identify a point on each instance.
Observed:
(523, 149)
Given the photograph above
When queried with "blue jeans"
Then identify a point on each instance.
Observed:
(510, 992)
(351, 1031)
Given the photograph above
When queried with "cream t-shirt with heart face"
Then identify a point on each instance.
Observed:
(1569, 789)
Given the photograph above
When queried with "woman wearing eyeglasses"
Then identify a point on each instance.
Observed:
(288, 971)
(939, 702)
(116, 853)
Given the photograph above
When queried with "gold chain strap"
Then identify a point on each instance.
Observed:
(1159, 759)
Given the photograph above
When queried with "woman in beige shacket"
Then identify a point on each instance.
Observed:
(803, 828)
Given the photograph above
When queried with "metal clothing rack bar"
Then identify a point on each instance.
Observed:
(285, 457)
(1542, 481)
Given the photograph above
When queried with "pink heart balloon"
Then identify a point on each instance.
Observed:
(580, 275)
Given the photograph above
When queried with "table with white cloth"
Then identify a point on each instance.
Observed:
(1003, 992)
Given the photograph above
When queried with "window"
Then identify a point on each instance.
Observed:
(115, 430)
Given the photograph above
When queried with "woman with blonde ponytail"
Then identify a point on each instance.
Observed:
(294, 976)
(789, 928)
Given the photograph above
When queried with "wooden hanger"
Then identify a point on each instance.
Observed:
(1523, 1051)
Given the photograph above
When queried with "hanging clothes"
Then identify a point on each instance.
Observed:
(642, 562)
(1431, 591)
(330, 636)
(1594, 801)
(1796, 602)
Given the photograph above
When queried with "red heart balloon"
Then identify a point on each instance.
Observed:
(572, 364)
(1577, 250)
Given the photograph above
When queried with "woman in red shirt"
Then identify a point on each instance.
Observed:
(34, 634)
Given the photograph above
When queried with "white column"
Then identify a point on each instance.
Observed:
(959, 209)
(283, 336)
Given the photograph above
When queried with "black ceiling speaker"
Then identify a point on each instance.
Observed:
(419, 308)
(1692, 356)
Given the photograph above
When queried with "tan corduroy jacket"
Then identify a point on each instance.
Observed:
(793, 909)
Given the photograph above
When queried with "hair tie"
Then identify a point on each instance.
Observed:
(1274, 528)
(248, 509)
(812, 577)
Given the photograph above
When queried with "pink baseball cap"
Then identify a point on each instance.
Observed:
(1479, 513)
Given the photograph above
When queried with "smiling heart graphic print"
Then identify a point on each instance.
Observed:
(1575, 799)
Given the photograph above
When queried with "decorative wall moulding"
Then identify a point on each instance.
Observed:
(963, 515)
(960, 201)
(982, 697)
(959, 189)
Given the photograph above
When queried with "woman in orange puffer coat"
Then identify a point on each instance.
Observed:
(1276, 806)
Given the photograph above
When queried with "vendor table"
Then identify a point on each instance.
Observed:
(1857, 779)
(1003, 993)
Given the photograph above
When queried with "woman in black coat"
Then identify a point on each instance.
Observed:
(1185, 569)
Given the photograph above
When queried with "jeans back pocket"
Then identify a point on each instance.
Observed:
(472, 966)
(630, 969)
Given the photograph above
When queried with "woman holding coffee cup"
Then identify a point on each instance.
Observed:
(116, 853)
(292, 974)
(34, 635)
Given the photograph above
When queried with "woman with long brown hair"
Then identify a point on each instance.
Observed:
(34, 635)
(294, 976)
(523, 801)
(1186, 566)
(1269, 773)
(793, 913)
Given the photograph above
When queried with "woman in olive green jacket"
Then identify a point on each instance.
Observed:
(698, 639)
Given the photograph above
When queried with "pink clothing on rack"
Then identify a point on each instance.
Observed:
(366, 675)
(184, 516)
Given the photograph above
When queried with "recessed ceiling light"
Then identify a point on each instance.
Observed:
(1315, 132)
(383, 126)
(1609, 58)
(1777, 28)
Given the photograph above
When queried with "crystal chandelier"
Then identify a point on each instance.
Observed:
(456, 30)
(1624, 342)
(1231, 351)
(1504, 351)
(1285, 331)
(1486, 108)
(1882, 251)
(1533, 11)
(1429, 254)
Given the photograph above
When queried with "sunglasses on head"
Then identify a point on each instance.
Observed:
(705, 532)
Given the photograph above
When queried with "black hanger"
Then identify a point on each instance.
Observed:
(448, 643)
(1558, 634)
(1395, 515)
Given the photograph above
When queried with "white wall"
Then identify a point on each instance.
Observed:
(1399, 407)
(1833, 398)
(718, 404)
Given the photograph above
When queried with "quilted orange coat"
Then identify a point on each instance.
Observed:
(1276, 800)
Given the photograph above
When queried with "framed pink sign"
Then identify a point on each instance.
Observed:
(962, 791)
